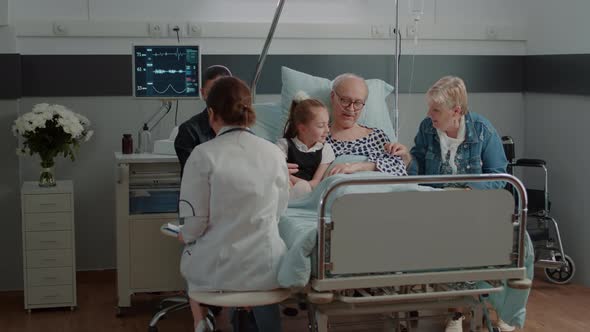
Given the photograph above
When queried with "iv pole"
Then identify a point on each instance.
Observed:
(262, 56)
(396, 74)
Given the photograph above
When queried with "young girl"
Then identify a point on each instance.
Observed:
(304, 143)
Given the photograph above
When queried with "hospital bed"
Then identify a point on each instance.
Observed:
(386, 245)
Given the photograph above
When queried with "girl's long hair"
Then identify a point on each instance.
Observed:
(300, 113)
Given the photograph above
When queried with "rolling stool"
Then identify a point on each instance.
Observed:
(241, 300)
(178, 302)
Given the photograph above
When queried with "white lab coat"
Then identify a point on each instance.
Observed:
(234, 189)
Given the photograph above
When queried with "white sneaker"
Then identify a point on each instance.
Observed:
(504, 327)
(455, 324)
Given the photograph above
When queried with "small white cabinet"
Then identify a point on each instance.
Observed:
(49, 259)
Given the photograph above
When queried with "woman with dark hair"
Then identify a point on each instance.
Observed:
(233, 191)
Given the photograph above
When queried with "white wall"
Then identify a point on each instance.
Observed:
(558, 27)
(446, 27)
(351, 11)
(7, 40)
(556, 131)
(4, 12)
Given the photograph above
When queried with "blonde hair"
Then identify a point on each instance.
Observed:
(449, 92)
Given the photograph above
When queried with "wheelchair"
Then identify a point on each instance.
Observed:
(542, 228)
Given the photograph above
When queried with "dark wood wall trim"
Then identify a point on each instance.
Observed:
(559, 74)
(76, 75)
(110, 75)
(10, 76)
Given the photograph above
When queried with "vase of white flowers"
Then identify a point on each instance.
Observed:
(51, 130)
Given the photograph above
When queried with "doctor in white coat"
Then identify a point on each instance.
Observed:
(233, 191)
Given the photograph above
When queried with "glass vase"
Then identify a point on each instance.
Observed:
(47, 177)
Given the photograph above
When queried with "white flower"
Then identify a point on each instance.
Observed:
(88, 135)
(68, 128)
(83, 120)
(40, 108)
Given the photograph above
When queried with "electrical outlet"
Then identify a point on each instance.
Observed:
(155, 29)
(172, 29)
(60, 29)
(194, 30)
(411, 31)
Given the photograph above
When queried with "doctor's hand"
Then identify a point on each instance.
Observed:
(400, 150)
(180, 238)
(293, 168)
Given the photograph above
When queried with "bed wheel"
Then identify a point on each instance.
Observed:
(564, 274)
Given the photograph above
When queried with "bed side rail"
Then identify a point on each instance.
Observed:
(401, 234)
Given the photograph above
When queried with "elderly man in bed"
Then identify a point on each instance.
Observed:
(347, 137)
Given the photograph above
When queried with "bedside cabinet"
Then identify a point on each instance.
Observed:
(49, 259)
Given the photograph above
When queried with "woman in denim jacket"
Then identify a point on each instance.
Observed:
(452, 140)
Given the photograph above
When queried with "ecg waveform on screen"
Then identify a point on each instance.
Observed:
(177, 53)
(167, 71)
(167, 88)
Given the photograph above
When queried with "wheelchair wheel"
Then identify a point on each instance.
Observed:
(564, 274)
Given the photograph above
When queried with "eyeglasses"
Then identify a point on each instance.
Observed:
(357, 105)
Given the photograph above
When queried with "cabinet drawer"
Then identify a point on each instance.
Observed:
(49, 276)
(48, 240)
(49, 258)
(47, 203)
(48, 221)
(50, 294)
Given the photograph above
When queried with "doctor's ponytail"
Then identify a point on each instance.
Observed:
(230, 99)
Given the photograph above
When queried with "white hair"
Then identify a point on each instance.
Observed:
(346, 76)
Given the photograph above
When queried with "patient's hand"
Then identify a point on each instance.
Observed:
(346, 168)
(400, 150)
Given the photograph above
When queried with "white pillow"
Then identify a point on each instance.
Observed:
(376, 111)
